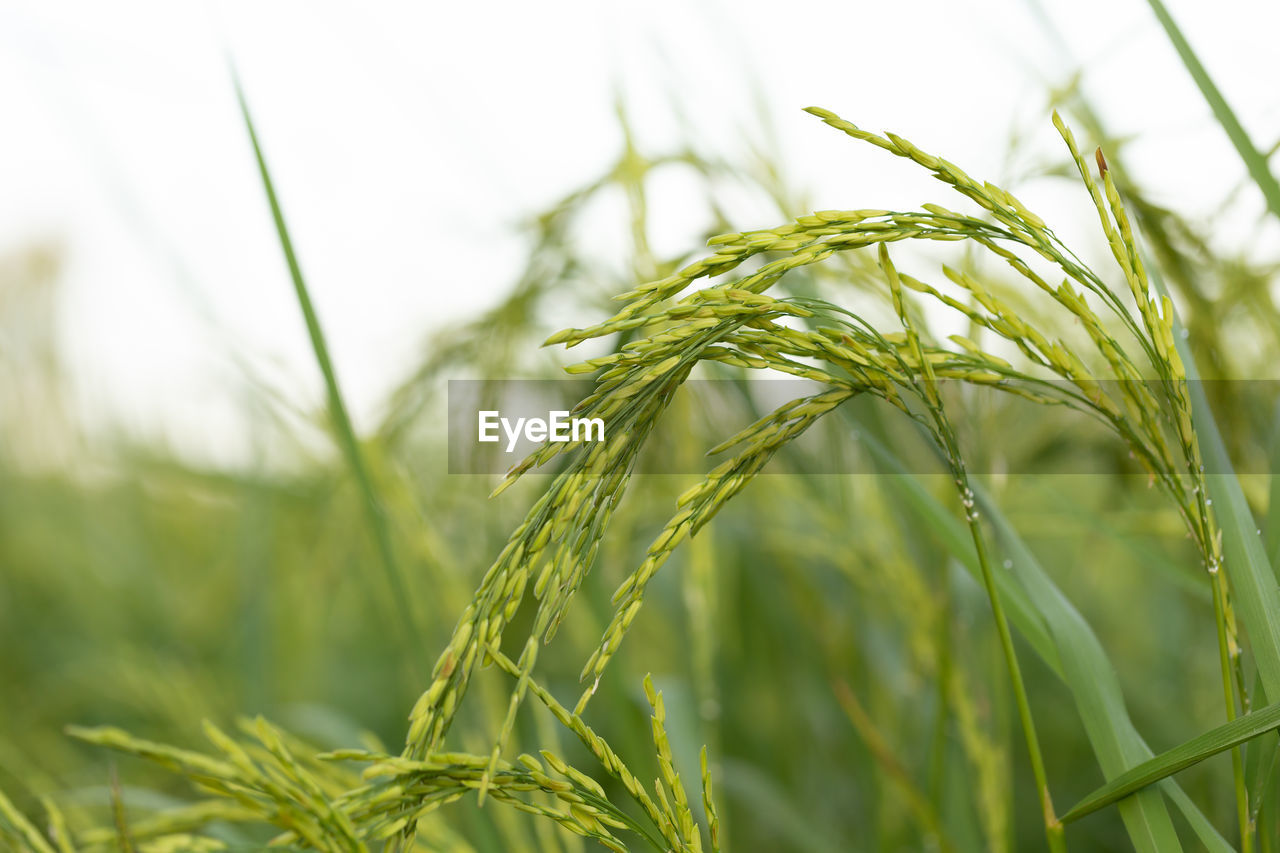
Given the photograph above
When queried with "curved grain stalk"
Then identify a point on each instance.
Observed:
(1128, 375)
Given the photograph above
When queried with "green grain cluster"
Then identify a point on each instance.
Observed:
(487, 728)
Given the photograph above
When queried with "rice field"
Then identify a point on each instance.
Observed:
(990, 564)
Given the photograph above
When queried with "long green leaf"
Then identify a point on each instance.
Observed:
(956, 539)
(1260, 762)
(1254, 161)
(1249, 570)
(1253, 581)
(1272, 529)
(1094, 684)
(1045, 617)
(342, 427)
(1184, 755)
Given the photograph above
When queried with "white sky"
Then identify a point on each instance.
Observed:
(407, 139)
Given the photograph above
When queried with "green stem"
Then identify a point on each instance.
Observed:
(1228, 689)
(1052, 826)
(342, 427)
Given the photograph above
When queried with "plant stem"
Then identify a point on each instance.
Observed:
(341, 421)
(1228, 689)
(1052, 826)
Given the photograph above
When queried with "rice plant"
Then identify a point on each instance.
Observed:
(498, 725)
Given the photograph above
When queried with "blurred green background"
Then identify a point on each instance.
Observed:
(820, 637)
(808, 637)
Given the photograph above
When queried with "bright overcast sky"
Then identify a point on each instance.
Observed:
(408, 139)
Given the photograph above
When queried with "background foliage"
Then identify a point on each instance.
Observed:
(821, 637)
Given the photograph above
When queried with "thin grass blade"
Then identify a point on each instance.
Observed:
(1253, 580)
(1184, 755)
(1254, 161)
(343, 430)
(1271, 530)
(1093, 682)
(1046, 618)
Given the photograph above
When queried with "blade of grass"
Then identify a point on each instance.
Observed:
(954, 537)
(1261, 769)
(1253, 581)
(1048, 618)
(1254, 161)
(1262, 753)
(1093, 683)
(342, 427)
(1184, 755)
(1272, 529)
